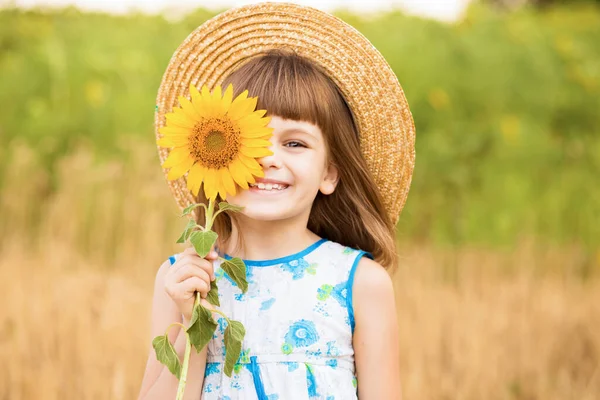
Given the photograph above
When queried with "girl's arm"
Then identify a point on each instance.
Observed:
(376, 334)
(158, 382)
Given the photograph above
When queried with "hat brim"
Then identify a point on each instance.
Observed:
(366, 80)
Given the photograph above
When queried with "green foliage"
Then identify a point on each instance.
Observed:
(188, 230)
(234, 335)
(236, 269)
(213, 294)
(203, 241)
(202, 327)
(505, 105)
(189, 208)
(224, 206)
(166, 354)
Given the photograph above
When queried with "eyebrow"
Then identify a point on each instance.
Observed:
(299, 130)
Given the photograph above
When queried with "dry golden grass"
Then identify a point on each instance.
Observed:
(77, 269)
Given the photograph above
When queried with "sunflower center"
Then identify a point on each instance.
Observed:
(214, 142)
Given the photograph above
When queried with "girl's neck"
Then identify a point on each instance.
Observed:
(264, 240)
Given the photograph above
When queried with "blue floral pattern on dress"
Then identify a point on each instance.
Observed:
(310, 380)
(302, 334)
(340, 293)
(298, 341)
(265, 305)
(298, 268)
(211, 368)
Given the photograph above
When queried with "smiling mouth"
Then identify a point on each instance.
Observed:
(268, 187)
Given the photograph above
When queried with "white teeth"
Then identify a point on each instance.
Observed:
(268, 186)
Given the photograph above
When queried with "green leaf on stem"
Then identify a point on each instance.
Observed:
(224, 206)
(189, 228)
(189, 208)
(166, 354)
(203, 241)
(202, 327)
(213, 295)
(234, 335)
(236, 269)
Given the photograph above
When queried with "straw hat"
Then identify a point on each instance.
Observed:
(367, 82)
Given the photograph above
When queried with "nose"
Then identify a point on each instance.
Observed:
(273, 160)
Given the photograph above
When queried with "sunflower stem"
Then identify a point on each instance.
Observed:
(209, 214)
(186, 359)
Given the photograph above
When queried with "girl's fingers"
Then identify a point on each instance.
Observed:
(205, 264)
(194, 284)
(188, 271)
(212, 256)
(189, 256)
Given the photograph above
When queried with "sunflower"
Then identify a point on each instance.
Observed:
(217, 139)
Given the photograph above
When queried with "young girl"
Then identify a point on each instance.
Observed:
(316, 234)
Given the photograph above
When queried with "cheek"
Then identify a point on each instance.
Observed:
(309, 172)
(239, 198)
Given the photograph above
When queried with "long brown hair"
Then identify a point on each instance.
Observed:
(292, 87)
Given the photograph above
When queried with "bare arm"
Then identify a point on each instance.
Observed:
(158, 382)
(376, 334)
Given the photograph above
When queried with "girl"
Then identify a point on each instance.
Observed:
(317, 236)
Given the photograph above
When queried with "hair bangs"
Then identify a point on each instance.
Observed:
(286, 85)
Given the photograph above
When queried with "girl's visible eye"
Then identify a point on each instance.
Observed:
(298, 144)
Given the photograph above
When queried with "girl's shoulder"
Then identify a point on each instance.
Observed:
(347, 252)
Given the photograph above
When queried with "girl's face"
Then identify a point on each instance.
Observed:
(298, 164)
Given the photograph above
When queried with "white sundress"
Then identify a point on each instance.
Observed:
(299, 324)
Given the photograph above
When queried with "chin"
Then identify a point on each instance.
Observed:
(266, 212)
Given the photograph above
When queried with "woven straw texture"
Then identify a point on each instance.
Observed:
(367, 82)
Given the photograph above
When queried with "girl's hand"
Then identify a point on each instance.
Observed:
(190, 274)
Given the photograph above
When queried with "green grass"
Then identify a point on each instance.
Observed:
(506, 108)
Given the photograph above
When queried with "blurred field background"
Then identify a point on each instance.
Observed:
(498, 290)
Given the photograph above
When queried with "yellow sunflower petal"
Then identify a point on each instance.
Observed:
(255, 143)
(188, 108)
(236, 169)
(210, 184)
(227, 181)
(227, 98)
(198, 101)
(174, 130)
(255, 152)
(165, 142)
(250, 105)
(250, 121)
(217, 94)
(194, 91)
(173, 141)
(220, 185)
(249, 162)
(194, 178)
(257, 132)
(180, 169)
(248, 176)
(243, 108)
(179, 120)
(267, 137)
(207, 102)
(236, 108)
(176, 156)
